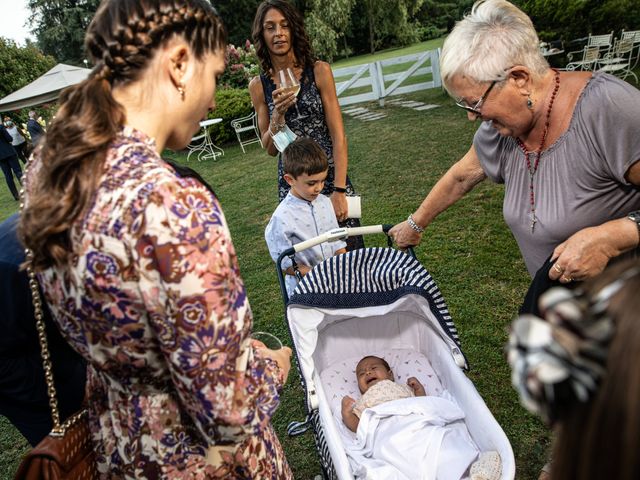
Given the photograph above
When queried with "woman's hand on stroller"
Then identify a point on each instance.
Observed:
(404, 236)
(416, 386)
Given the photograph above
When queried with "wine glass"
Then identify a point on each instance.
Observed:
(269, 340)
(289, 83)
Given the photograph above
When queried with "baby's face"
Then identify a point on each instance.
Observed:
(370, 371)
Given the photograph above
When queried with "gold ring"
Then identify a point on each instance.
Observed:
(567, 278)
(558, 268)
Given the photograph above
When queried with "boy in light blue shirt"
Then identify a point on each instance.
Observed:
(304, 213)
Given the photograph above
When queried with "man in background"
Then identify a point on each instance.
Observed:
(9, 161)
(35, 129)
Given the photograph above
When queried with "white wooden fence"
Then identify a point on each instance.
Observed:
(368, 82)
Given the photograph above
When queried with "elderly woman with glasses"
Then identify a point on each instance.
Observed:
(565, 144)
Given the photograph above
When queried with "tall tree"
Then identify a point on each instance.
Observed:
(20, 65)
(442, 14)
(385, 23)
(326, 22)
(237, 16)
(570, 19)
(60, 26)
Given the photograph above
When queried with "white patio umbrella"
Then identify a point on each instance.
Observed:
(45, 88)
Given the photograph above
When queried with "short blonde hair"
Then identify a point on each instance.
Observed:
(494, 37)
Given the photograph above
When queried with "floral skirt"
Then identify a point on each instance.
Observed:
(149, 436)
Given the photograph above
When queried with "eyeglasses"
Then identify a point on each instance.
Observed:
(476, 108)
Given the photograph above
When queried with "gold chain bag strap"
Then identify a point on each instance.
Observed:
(67, 452)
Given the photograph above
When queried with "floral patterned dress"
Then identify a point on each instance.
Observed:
(154, 301)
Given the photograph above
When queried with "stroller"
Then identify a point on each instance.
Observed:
(375, 301)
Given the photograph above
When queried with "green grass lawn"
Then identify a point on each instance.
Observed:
(390, 53)
(393, 163)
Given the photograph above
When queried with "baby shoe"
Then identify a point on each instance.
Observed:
(487, 467)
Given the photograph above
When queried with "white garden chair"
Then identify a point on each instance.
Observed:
(634, 36)
(598, 46)
(588, 61)
(603, 42)
(619, 60)
(244, 125)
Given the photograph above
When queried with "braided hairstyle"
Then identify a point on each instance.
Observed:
(121, 40)
(299, 39)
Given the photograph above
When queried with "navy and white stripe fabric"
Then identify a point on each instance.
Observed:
(371, 277)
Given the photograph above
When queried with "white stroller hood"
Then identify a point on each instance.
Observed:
(366, 283)
(370, 300)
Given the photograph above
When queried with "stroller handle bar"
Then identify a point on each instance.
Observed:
(335, 235)
(330, 236)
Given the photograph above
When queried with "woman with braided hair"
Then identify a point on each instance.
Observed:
(578, 369)
(136, 261)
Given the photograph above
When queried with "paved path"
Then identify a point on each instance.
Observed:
(419, 106)
(362, 113)
(366, 115)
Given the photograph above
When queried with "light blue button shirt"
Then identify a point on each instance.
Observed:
(296, 220)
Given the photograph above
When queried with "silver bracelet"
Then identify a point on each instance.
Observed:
(279, 126)
(414, 226)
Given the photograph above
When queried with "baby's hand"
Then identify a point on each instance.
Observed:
(347, 405)
(416, 386)
(349, 418)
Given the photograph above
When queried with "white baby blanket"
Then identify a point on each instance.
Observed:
(418, 438)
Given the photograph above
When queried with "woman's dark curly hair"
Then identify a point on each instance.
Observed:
(299, 39)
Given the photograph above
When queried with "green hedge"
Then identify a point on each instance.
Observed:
(231, 103)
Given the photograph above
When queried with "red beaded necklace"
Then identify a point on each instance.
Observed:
(534, 168)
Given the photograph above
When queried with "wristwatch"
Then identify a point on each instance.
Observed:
(635, 217)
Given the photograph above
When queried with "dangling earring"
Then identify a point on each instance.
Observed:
(529, 102)
(181, 90)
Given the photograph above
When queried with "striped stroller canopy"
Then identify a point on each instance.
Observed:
(371, 277)
(371, 301)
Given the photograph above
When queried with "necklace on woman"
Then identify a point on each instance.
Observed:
(533, 168)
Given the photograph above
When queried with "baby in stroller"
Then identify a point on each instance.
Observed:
(376, 384)
(383, 302)
(440, 421)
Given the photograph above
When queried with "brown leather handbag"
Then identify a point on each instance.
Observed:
(67, 452)
(68, 455)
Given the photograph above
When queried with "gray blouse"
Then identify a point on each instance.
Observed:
(580, 178)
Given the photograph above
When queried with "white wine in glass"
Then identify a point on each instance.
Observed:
(289, 83)
(293, 88)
